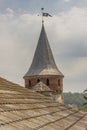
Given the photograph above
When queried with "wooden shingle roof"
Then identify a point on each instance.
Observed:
(43, 62)
(23, 109)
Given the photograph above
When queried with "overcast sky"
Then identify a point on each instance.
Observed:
(67, 33)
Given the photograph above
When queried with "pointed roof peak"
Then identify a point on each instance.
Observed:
(43, 30)
(43, 62)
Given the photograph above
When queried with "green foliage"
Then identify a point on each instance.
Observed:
(74, 98)
(85, 97)
(83, 108)
(78, 99)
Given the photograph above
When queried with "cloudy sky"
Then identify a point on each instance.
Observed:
(67, 33)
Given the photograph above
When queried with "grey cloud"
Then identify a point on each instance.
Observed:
(75, 50)
(32, 6)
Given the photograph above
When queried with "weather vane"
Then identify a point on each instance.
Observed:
(44, 15)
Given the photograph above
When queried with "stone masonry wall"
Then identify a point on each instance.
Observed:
(54, 82)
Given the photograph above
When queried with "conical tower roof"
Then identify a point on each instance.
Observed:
(43, 62)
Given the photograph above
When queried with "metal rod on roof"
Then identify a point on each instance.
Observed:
(42, 15)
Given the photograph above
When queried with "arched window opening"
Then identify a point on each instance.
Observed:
(38, 80)
(58, 82)
(47, 82)
(29, 83)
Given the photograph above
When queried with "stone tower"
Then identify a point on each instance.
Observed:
(43, 67)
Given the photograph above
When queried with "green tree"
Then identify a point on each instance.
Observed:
(85, 97)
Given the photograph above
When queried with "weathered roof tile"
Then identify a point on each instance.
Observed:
(21, 108)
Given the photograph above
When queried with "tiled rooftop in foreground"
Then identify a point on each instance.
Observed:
(23, 109)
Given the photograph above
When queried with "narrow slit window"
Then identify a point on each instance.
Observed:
(38, 80)
(58, 82)
(48, 82)
(29, 83)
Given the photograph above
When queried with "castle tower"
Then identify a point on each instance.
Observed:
(43, 67)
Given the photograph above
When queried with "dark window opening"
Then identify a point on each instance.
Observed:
(38, 81)
(29, 83)
(58, 91)
(58, 82)
(47, 82)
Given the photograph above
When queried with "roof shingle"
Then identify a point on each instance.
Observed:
(43, 62)
(21, 108)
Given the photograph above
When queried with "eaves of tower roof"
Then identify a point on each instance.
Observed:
(23, 109)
